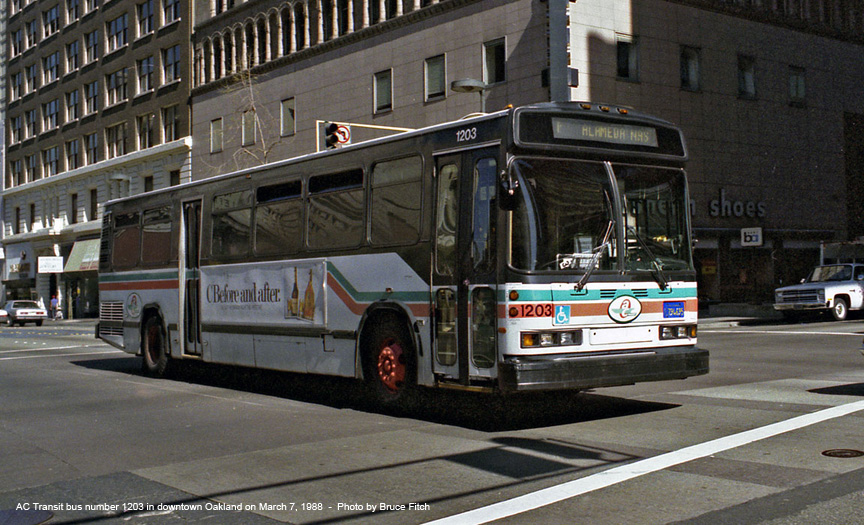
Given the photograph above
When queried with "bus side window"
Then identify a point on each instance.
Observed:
(156, 236)
(127, 240)
(232, 215)
(485, 172)
(336, 210)
(396, 201)
(446, 220)
(279, 218)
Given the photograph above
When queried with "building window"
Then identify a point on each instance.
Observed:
(17, 42)
(73, 10)
(15, 129)
(248, 128)
(51, 21)
(50, 111)
(31, 124)
(72, 106)
(91, 46)
(15, 81)
(436, 78)
(91, 92)
(91, 5)
(33, 224)
(145, 18)
(32, 33)
(16, 175)
(145, 75)
(32, 168)
(49, 161)
(287, 118)
(746, 77)
(148, 183)
(171, 123)
(93, 209)
(73, 154)
(171, 11)
(494, 61)
(73, 208)
(51, 68)
(116, 30)
(32, 78)
(628, 58)
(690, 72)
(115, 140)
(72, 56)
(91, 142)
(171, 64)
(145, 130)
(116, 86)
(797, 87)
(216, 135)
(383, 91)
(174, 177)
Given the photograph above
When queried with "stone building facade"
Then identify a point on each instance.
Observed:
(97, 109)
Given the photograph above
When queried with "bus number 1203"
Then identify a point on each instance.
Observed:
(464, 135)
(532, 310)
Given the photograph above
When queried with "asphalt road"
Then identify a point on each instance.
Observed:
(85, 438)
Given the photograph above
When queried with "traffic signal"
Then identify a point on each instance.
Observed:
(331, 139)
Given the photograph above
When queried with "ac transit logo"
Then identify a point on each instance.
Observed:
(624, 309)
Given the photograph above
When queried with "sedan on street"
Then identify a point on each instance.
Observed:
(21, 312)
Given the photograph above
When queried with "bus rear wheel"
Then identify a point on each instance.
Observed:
(153, 349)
(389, 364)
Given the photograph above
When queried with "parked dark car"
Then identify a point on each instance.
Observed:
(21, 312)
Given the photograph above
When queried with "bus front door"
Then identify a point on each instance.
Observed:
(463, 283)
(191, 278)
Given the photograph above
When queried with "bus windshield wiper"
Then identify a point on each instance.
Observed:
(657, 273)
(597, 252)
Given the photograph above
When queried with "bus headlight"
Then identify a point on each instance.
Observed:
(678, 332)
(551, 339)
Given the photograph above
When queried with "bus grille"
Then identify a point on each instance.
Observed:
(111, 311)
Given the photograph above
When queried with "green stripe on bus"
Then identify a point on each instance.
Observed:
(370, 297)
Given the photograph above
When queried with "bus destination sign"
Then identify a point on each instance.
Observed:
(608, 132)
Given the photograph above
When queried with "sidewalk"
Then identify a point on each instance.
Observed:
(737, 314)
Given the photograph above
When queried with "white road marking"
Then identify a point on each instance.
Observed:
(59, 355)
(613, 476)
(775, 332)
(45, 349)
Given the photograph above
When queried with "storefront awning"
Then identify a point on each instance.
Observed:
(84, 257)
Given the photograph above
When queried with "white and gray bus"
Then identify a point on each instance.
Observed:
(536, 248)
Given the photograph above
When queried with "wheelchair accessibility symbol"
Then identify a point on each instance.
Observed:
(562, 314)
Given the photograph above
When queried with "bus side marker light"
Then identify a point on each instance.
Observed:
(514, 312)
(514, 295)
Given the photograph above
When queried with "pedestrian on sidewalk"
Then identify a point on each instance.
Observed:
(54, 304)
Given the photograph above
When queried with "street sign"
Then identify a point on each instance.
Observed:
(751, 237)
(343, 134)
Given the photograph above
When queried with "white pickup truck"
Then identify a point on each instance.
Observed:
(837, 288)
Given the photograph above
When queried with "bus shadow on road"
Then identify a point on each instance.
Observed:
(476, 411)
(852, 389)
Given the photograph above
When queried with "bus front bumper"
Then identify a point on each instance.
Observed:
(518, 374)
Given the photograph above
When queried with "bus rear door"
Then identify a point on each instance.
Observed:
(190, 278)
(463, 282)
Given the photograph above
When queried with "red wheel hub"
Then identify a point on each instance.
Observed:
(391, 366)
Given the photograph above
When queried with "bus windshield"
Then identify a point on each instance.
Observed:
(566, 218)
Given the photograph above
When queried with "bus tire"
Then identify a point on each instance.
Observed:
(153, 349)
(389, 364)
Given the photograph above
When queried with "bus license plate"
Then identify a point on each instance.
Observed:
(673, 310)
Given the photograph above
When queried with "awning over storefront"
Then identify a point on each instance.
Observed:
(84, 257)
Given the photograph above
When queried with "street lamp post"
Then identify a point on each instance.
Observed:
(471, 85)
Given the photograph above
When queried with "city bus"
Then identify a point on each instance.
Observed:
(536, 248)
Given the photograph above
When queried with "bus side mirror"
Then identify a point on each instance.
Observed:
(507, 192)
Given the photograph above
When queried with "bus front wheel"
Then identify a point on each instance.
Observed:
(153, 348)
(389, 365)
